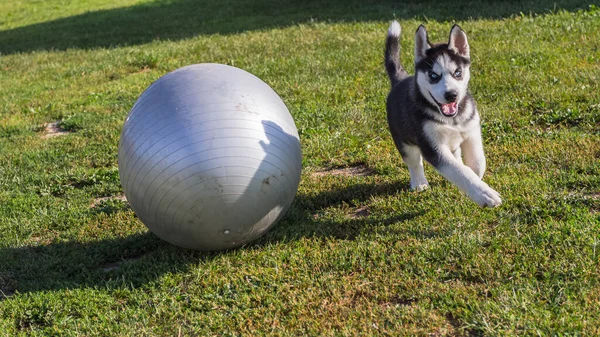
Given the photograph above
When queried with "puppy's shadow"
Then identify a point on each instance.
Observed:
(306, 219)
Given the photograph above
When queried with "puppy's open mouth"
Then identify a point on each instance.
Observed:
(448, 109)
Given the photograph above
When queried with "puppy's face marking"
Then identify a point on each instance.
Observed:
(442, 76)
(442, 70)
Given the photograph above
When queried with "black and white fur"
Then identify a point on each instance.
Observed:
(432, 115)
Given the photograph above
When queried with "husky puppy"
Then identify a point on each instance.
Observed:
(432, 115)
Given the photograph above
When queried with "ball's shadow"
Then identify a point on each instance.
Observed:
(138, 259)
(135, 260)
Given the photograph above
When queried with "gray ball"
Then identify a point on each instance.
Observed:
(209, 157)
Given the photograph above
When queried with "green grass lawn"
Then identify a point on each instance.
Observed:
(358, 253)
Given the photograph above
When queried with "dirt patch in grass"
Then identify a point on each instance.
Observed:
(592, 200)
(360, 212)
(111, 266)
(53, 130)
(99, 201)
(588, 199)
(45, 237)
(591, 196)
(108, 267)
(143, 70)
(456, 328)
(351, 171)
(398, 301)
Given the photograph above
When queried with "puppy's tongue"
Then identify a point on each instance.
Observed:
(449, 109)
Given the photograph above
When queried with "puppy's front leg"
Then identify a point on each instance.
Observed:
(458, 154)
(463, 177)
(472, 149)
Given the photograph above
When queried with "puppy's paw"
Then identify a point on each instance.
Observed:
(419, 188)
(487, 197)
(418, 184)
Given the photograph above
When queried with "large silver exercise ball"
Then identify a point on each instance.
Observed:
(209, 157)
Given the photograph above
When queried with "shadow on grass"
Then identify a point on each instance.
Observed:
(181, 19)
(305, 218)
(138, 259)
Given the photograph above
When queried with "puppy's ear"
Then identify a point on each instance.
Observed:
(421, 43)
(458, 42)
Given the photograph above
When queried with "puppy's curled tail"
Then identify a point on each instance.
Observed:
(392, 54)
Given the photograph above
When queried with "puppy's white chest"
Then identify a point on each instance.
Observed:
(447, 135)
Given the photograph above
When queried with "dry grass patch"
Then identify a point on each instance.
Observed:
(360, 212)
(53, 130)
(351, 171)
(98, 201)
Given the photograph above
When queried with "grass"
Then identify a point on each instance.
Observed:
(355, 254)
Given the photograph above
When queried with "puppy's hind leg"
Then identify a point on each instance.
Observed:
(412, 158)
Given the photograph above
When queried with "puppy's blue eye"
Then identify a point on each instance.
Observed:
(434, 76)
(458, 73)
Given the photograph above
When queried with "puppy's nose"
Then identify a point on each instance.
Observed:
(450, 96)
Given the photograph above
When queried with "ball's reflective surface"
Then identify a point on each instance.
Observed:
(209, 157)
